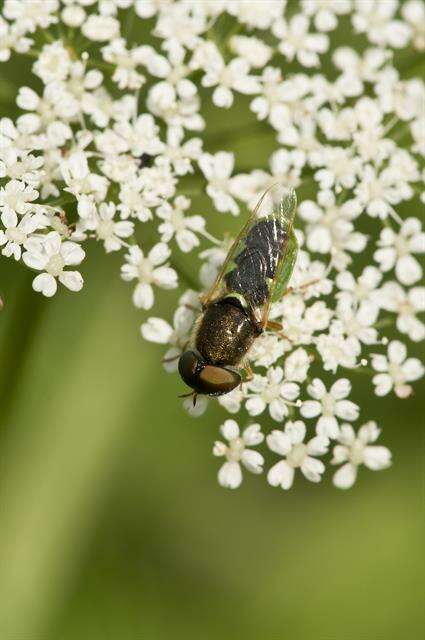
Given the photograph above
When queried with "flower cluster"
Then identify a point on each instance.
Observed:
(108, 145)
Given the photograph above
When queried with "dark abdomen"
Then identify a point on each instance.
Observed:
(225, 333)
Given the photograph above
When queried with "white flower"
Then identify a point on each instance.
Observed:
(354, 451)
(178, 225)
(51, 257)
(379, 191)
(413, 12)
(289, 444)
(395, 371)
(297, 42)
(256, 15)
(357, 323)
(125, 75)
(234, 76)
(330, 228)
(149, 271)
(232, 401)
(53, 63)
(217, 169)
(181, 154)
(80, 180)
(100, 28)
(237, 451)
(336, 350)
(256, 52)
(12, 38)
(325, 12)
(329, 405)
(272, 391)
(18, 232)
(376, 19)
(267, 349)
(16, 197)
(392, 297)
(110, 232)
(30, 15)
(140, 136)
(297, 365)
(396, 251)
(362, 290)
(156, 330)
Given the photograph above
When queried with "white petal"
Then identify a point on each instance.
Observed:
(230, 430)
(230, 475)
(72, 253)
(219, 448)
(278, 409)
(143, 297)
(156, 330)
(340, 454)
(252, 435)
(316, 389)
(369, 432)
(347, 410)
(312, 469)
(72, 280)
(397, 352)
(340, 389)
(296, 431)
(345, 477)
(222, 97)
(9, 218)
(252, 460)
(165, 277)
(377, 458)
(281, 475)
(383, 384)
(255, 406)
(34, 260)
(318, 446)
(159, 253)
(52, 243)
(289, 390)
(45, 284)
(327, 426)
(310, 408)
(408, 270)
(279, 442)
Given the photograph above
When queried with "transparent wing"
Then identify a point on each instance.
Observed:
(260, 261)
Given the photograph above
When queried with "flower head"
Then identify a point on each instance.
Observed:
(354, 451)
(238, 451)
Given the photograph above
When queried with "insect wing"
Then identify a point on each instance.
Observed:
(260, 261)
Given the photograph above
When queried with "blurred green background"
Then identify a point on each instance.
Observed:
(112, 525)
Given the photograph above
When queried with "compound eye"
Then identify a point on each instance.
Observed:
(216, 381)
(189, 365)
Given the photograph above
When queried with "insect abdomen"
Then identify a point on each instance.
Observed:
(225, 333)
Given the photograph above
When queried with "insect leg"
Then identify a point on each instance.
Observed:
(173, 358)
(249, 374)
(277, 326)
(301, 287)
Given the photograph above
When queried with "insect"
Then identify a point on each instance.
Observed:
(236, 310)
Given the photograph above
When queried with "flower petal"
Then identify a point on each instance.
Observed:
(46, 284)
(230, 430)
(230, 475)
(279, 442)
(345, 477)
(281, 475)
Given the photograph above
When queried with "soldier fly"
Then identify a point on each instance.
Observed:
(236, 310)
